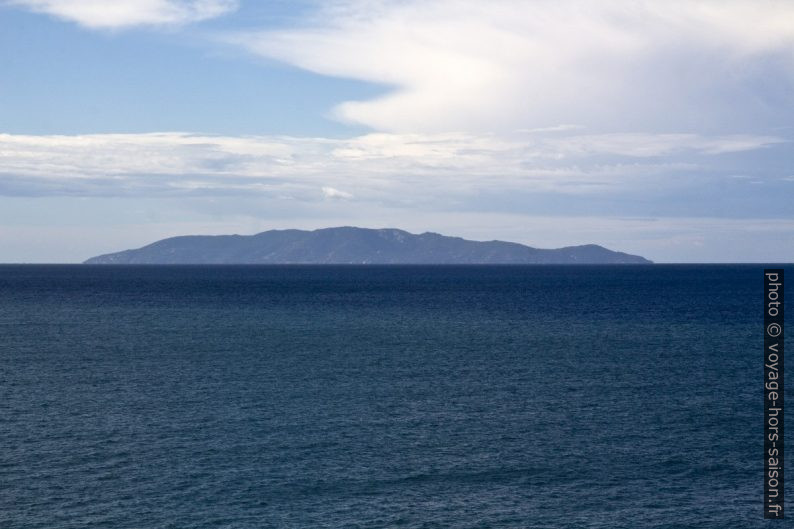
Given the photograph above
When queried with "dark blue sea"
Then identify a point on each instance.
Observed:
(381, 397)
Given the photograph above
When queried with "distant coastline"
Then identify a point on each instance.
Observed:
(351, 245)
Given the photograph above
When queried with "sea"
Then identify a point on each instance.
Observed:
(381, 397)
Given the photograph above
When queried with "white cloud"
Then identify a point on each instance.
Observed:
(333, 193)
(117, 14)
(378, 166)
(468, 65)
(651, 145)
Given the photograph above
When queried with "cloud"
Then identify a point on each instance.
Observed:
(650, 145)
(117, 14)
(333, 193)
(473, 66)
(377, 166)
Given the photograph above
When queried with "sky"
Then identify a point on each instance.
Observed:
(662, 128)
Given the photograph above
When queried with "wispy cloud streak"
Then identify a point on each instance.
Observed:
(378, 164)
(119, 14)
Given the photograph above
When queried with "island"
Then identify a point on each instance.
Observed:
(351, 245)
